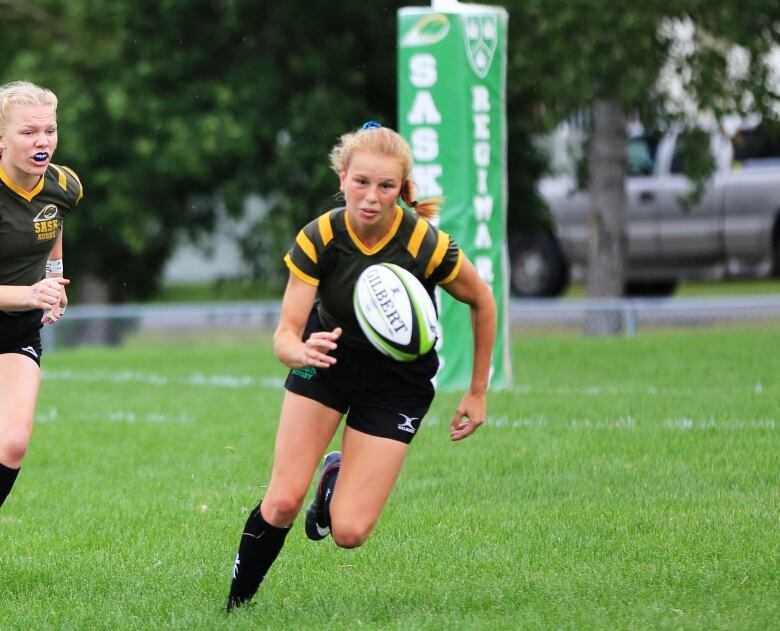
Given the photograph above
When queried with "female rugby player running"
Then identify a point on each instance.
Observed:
(35, 196)
(336, 372)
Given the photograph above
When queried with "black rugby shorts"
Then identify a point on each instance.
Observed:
(21, 334)
(380, 396)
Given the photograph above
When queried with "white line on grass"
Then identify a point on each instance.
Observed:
(197, 379)
(53, 415)
(622, 389)
(620, 423)
(686, 424)
(247, 381)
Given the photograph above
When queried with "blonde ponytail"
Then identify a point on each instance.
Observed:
(426, 208)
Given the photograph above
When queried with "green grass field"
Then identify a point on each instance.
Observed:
(624, 484)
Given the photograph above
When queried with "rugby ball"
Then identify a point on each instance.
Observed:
(395, 312)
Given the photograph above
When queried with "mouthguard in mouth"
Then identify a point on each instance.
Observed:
(40, 157)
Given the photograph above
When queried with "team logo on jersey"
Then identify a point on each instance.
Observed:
(481, 34)
(49, 211)
(46, 222)
(430, 29)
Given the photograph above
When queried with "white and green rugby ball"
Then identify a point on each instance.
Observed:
(395, 312)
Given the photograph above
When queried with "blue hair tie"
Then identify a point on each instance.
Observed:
(371, 125)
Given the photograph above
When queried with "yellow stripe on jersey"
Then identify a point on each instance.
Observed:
(307, 246)
(326, 230)
(454, 273)
(75, 177)
(310, 280)
(438, 253)
(417, 237)
(399, 215)
(61, 179)
(28, 195)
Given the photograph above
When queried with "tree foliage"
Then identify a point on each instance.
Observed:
(571, 53)
(634, 59)
(171, 109)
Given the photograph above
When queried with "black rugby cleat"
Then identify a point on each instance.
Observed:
(317, 518)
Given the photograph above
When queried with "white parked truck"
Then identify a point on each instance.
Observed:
(733, 230)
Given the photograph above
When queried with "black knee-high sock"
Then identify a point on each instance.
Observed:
(7, 479)
(260, 545)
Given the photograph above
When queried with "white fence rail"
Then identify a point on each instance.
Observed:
(637, 313)
(110, 324)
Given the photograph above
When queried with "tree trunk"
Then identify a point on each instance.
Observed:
(94, 291)
(606, 222)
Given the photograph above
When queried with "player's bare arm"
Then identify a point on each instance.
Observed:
(288, 344)
(469, 288)
(42, 295)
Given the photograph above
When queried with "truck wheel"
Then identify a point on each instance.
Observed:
(650, 288)
(537, 266)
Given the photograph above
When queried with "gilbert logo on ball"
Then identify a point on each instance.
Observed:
(395, 312)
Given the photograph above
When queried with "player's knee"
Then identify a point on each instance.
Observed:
(282, 507)
(13, 446)
(351, 535)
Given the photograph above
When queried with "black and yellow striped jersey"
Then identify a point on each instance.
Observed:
(329, 255)
(30, 222)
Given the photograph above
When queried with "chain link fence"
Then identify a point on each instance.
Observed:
(630, 316)
(116, 324)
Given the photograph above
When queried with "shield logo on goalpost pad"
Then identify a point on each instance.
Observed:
(481, 33)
